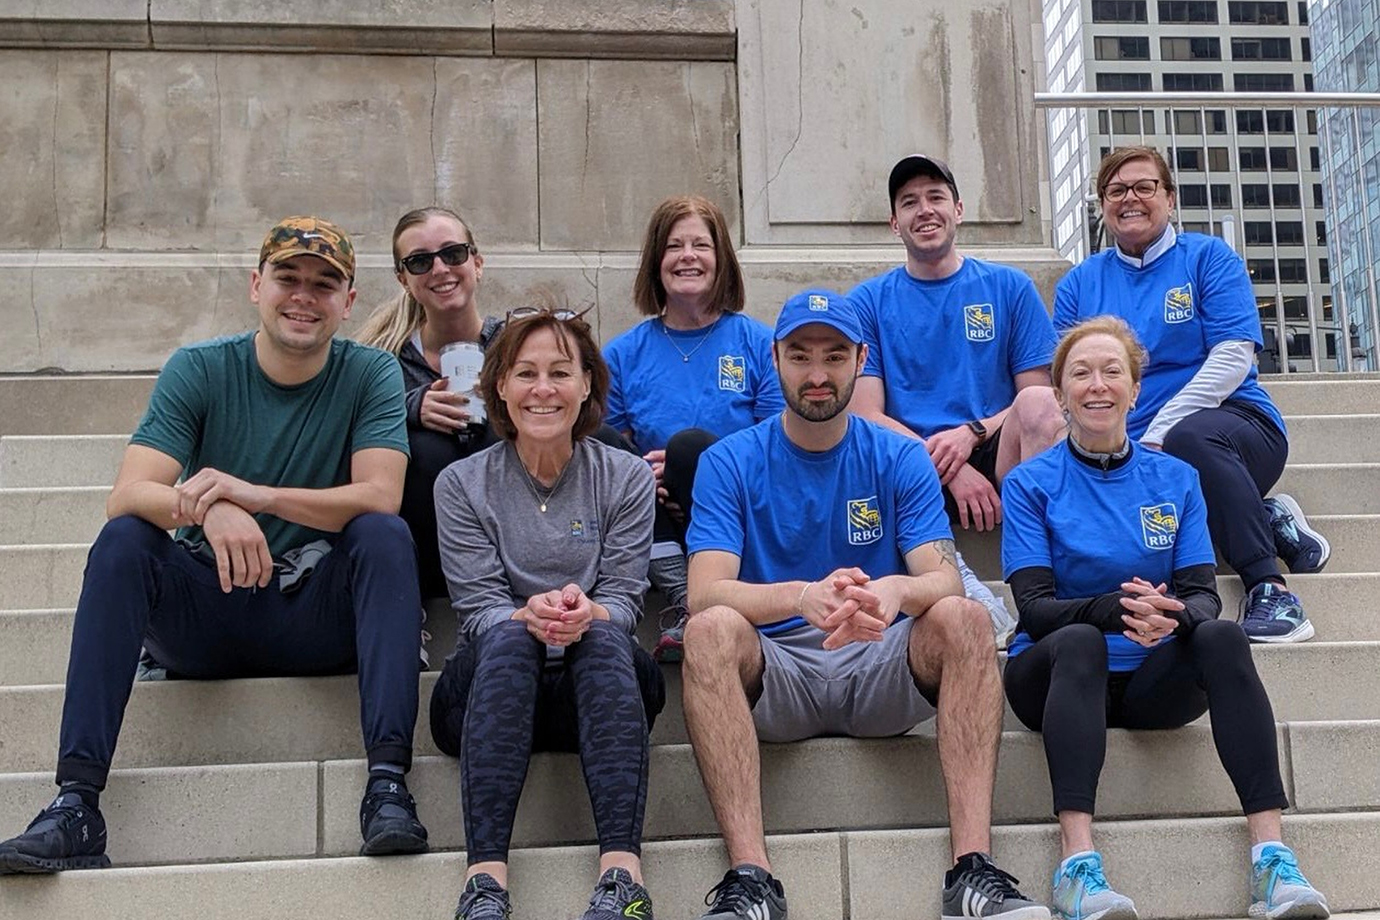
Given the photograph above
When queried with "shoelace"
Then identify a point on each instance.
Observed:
(1268, 607)
(57, 816)
(993, 882)
(609, 895)
(490, 903)
(1089, 872)
(672, 617)
(735, 894)
(1285, 867)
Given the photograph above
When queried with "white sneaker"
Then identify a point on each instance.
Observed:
(1003, 623)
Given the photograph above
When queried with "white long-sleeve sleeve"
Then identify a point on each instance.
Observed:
(1226, 365)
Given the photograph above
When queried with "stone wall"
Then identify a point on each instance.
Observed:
(146, 146)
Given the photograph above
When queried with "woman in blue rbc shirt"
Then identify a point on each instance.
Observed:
(1105, 545)
(695, 370)
(1189, 299)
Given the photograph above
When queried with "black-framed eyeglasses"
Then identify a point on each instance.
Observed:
(419, 263)
(563, 315)
(1143, 189)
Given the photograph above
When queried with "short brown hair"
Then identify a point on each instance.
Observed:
(502, 353)
(1114, 326)
(1112, 163)
(649, 294)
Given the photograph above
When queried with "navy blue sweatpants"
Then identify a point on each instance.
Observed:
(360, 610)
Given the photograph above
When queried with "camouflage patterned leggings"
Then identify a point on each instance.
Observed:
(496, 702)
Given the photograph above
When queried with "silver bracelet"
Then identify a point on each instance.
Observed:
(800, 601)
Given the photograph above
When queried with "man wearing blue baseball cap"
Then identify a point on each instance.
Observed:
(825, 600)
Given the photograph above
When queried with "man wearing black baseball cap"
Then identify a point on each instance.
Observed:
(958, 348)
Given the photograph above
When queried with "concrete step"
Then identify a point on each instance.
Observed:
(1325, 394)
(37, 574)
(273, 720)
(1200, 869)
(34, 643)
(42, 404)
(37, 461)
(1333, 488)
(160, 815)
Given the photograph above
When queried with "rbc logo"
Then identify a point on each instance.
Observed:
(1159, 524)
(584, 532)
(818, 303)
(1178, 304)
(732, 373)
(864, 521)
(979, 324)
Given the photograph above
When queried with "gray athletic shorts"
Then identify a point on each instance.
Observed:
(863, 690)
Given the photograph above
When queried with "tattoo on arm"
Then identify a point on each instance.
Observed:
(947, 553)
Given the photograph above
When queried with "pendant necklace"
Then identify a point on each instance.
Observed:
(685, 355)
(532, 482)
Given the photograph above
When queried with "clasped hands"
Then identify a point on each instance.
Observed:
(224, 507)
(1151, 615)
(849, 606)
(558, 617)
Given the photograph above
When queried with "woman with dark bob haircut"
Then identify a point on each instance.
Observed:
(1189, 299)
(695, 370)
(543, 541)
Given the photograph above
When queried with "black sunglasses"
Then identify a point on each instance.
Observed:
(419, 263)
(529, 312)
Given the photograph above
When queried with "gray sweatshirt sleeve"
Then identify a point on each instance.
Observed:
(622, 578)
(475, 573)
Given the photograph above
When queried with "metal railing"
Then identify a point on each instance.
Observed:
(1301, 124)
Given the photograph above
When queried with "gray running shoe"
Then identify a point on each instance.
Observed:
(746, 893)
(483, 899)
(1003, 623)
(975, 887)
(617, 897)
(1081, 892)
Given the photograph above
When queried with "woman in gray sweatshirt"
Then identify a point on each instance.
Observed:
(544, 540)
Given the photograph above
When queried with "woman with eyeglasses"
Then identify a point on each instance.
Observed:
(1105, 545)
(695, 370)
(1189, 299)
(544, 540)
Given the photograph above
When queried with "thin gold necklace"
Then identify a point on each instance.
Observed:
(532, 482)
(685, 355)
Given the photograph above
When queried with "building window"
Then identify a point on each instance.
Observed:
(1255, 195)
(1261, 49)
(1125, 121)
(1251, 159)
(1322, 233)
(1118, 11)
(1192, 196)
(1262, 271)
(1323, 272)
(1193, 82)
(1190, 158)
(1189, 121)
(1121, 48)
(1285, 158)
(1284, 232)
(1258, 232)
(1317, 195)
(1276, 121)
(1263, 82)
(1303, 12)
(1221, 195)
(1219, 160)
(1123, 82)
(1293, 271)
(1188, 10)
(1306, 49)
(1191, 49)
(1257, 13)
(1287, 196)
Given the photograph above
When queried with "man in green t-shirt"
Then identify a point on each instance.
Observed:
(278, 456)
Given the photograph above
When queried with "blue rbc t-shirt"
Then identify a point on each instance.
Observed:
(790, 514)
(948, 351)
(728, 383)
(1194, 296)
(1097, 529)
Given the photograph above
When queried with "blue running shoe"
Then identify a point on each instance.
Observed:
(1302, 548)
(1081, 891)
(1271, 613)
(1279, 890)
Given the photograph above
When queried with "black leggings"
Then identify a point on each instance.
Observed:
(678, 478)
(1239, 454)
(1061, 686)
(496, 702)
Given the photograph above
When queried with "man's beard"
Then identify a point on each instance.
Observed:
(814, 411)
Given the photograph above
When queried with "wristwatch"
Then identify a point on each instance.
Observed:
(978, 429)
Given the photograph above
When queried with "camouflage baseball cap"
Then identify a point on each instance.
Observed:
(309, 236)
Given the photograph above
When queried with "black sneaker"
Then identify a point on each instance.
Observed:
(1302, 548)
(975, 887)
(746, 893)
(388, 820)
(68, 834)
(617, 897)
(483, 899)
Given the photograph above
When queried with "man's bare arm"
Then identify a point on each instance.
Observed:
(144, 487)
(376, 484)
(933, 574)
(714, 581)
